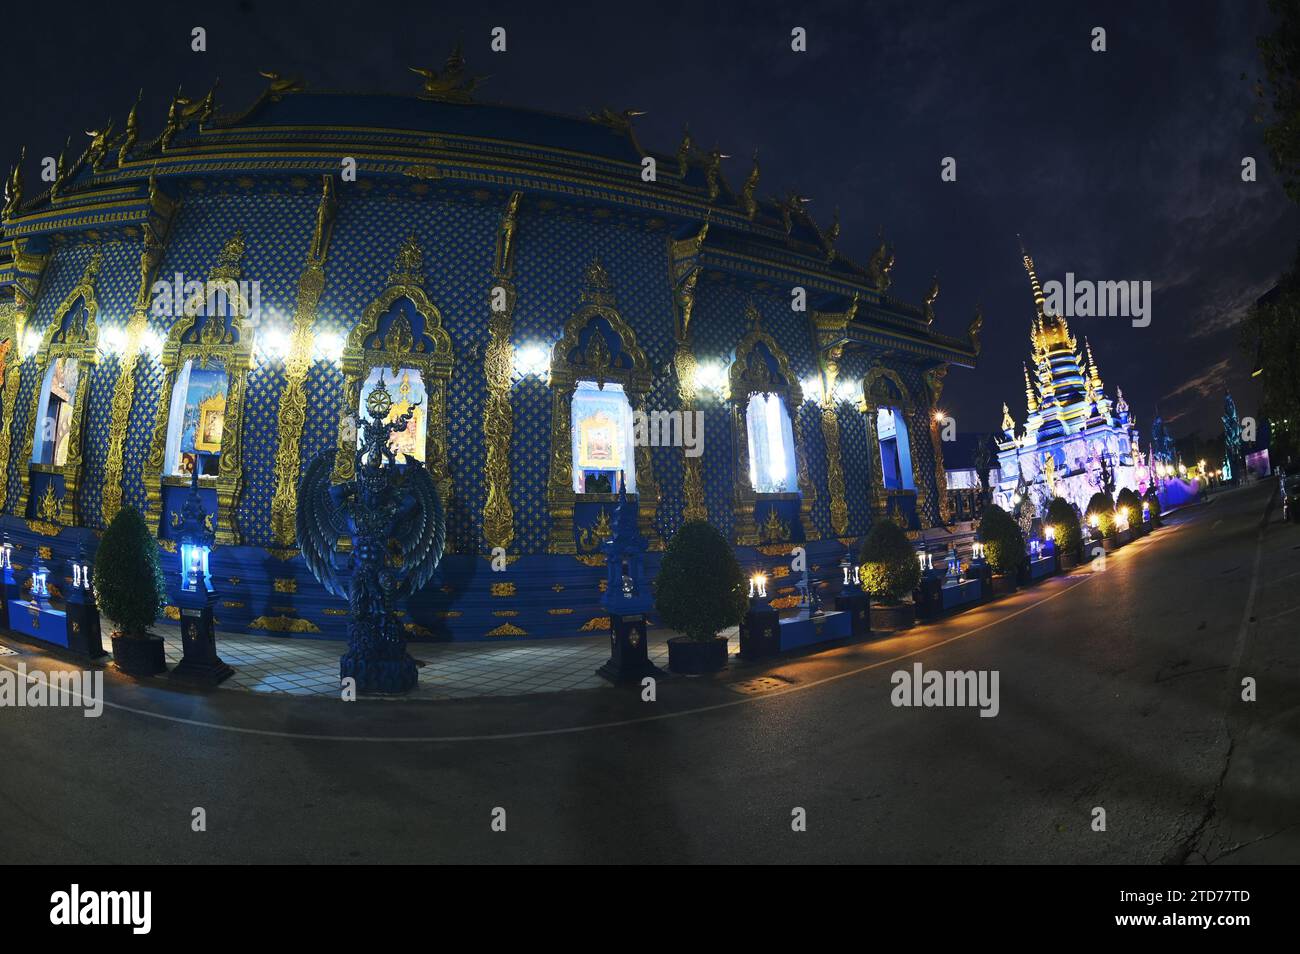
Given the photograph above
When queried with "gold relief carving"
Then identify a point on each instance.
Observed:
(45, 553)
(506, 629)
(834, 470)
(557, 587)
(774, 529)
(172, 612)
(503, 589)
(415, 629)
(124, 387)
(591, 559)
(232, 348)
(232, 604)
(49, 514)
(560, 611)
(934, 381)
(505, 613)
(292, 414)
(498, 414)
(783, 602)
(598, 624)
(167, 545)
(749, 375)
(283, 624)
(598, 301)
(286, 585)
(591, 538)
(395, 350)
(70, 335)
(334, 611)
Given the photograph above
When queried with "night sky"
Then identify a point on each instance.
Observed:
(1117, 165)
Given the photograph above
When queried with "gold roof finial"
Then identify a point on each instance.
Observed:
(1031, 399)
(1039, 297)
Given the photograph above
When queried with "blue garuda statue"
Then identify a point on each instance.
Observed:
(394, 517)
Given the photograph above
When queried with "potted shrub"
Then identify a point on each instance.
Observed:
(1129, 504)
(1101, 517)
(1004, 548)
(130, 591)
(699, 590)
(1152, 500)
(1066, 531)
(890, 573)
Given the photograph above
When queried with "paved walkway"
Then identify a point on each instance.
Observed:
(305, 667)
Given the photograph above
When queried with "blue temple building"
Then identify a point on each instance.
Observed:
(1073, 433)
(554, 301)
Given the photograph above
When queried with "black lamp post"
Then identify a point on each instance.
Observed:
(8, 585)
(627, 597)
(760, 628)
(200, 662)
(82, 620)
(853, 599)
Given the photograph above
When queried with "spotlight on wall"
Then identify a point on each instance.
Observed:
(710, 376)
(812, 389)
(31, 342)
(328, 346)
(847, 392)
(531, 359)
(152, 342)
(274, 343)
(112, 340)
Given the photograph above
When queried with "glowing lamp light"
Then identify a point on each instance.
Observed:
(758, 586)
(328, 346)
(152, 342)
(812, 389)
(847, 392)
(275, 343)
(1049, 532)
(40, 583)
(1182, 469)
(1092, 521)
(6, 556)
(31, 342)
(710, 376)
(1015, 500)
(977, 550)
(194, 566)
(112, 340)
(531, 360)
(80, 575)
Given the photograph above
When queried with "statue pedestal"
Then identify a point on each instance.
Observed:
(858, 605)
(629, 660)
(84, 635)
(200, 663)
(760, 633)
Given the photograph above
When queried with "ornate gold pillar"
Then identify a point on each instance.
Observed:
(292, 414)
(934, 378)
(828, 332)
(28, 269)
(684, 256)
(498, 414)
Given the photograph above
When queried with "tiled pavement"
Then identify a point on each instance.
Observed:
(305, 667)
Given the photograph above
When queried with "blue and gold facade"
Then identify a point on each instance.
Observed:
(469, 235)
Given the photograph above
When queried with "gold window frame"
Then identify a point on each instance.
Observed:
(594, 364)
(79, 340)
(745, 378)
(914, 414)
(399, 348)
(230, 342)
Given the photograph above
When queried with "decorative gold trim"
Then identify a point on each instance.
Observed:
(292, 414)
(745, 379)
(77, 341)
(283, 624)
(399, 349)
(506, 629)
(234, 350)
(596, 624)
(285, 584)
(156, 231)
(834, 470)
(503, 589)
(598, 302)
(498, 414)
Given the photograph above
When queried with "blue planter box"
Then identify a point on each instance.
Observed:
(797, 633)
(960, 594)
(47, 625)
(1043, 566)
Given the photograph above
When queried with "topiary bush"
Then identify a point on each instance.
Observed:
(1061, 516)
(890, 569)
(1101, 506)
(700, 588)
(128, 579)
(1004, 544)
(1130, 501)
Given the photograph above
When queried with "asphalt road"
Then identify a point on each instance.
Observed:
(1118, 689)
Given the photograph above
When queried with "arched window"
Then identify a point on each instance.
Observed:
(771, 445)
(196, 420)
(406, 388)
(54, 414)
(895, 450)
(602, 436)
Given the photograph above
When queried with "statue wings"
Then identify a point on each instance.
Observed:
(421, 536)
(320, 523)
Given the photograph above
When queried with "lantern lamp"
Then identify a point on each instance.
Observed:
(196, 597)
